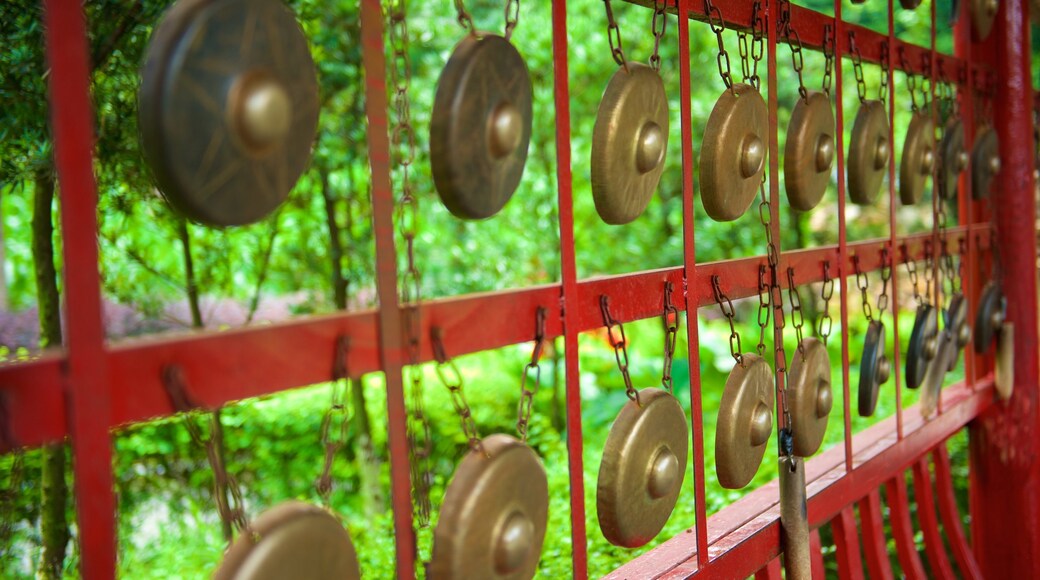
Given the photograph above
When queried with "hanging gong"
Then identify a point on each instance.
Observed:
(918, 158)
(985, 163)
(868, 152)
(1004, 373)
(644, 462)
(733, 153)
(924, 342)
(983, 13)
(809, 152)
(989, 316)
(296, 540)
(932, 384)
(956, 319)
(492, 522)
(745, 421)
(953, 158)
(874, 368)
(480, 126)
(809, 395)
(629, 142)
(227, 108)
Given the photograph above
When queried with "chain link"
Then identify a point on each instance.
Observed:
(863, 283)
(512, 17)
(658, 25)
(764, 295)
(670, 319)
(523, 411)
(885, 67)
(911, 270)
(718, 27)
(828, 58)
(946, 268)
(857, 67)
(336, 421)
(450, 376)
(752, 52)
(797, 316)
(826, 292)
(617, 51)
(794, 40)
(464, 18)
(911, 79)
(929, 269)
(726, 306)
(620, 345)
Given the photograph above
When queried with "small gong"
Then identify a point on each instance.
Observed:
(228, 108)
(953, 158)
(644, 462)
(956, 319)
(989, 316)
(918, 158)
(733, 154)
(1004, 371)
(629, 142)
(296, 540)
(924, 342)
(809, 152)
(809, 395)
(869, 151)
(480, 126)
(985, 163)
(745, 422)
(874, 368)
(932, 384)
(492, 523)
(983, 13)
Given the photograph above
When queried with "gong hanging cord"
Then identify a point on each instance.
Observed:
(335, 424)
(450, 376)
(532, 369)
(670, 319)
(857, 67)
(620, 345)
(726, 306)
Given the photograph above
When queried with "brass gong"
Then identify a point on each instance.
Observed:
(733, 153)
(869, 151)
(809, 152)
(923, 345)
(956, 319)
(810, 395)
(874, 368)
(931, 387)
(492, 522)
(227, 108)
(480, 126)
(953, 158)
(629, 142)
(918, 158)
(989, 316)
(983, 13)
(296, 540)
(643, 466)
(985, 162)
(745, 421)
(1004, 371)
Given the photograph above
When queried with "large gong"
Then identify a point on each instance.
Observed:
(923, 346)
(295, 540)
(809, 152)
(874, 368)
(985, 163)
(745, 422)
(733, 153)
(629, 142)
(953, 158)
(869, 151)
(480, 126)
(809, 395)
(644, 463)
(228, 108)
(918, 158)
(492, 522)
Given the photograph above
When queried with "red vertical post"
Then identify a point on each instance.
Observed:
(87, 385)
(1005, 442)
(840, 37)
(893, 229)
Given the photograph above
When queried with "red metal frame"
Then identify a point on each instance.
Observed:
(90, 387)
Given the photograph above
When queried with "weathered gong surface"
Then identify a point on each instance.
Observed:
(228, 108)
(985, 163)
(733, 153)
(989, 316)
(953, 158)
(809, 395)
(480, 126)
(924, 342)
(983, 13)
(956, 319)
(492, 523)
(644, 462)
(629, 142)
(296, 540)
(931, 387)
(1004, 373)
(809, 152)
(874, 368)
(745, 421)
(918, 158)
(869, 151)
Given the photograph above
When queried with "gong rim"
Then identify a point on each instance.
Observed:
(629, 143)
(810, 395)
(931, 387)
(918, 159)
(991, 306)
(953, 159)
(810, 150)
(734, 144)
(480, 126)
(296, 540)
(868, 144)
(983, 13)
(985, 163)
(227, 127)
(923, 339)
(744, 422)
(872, 368)
(642, 470)
(493, 520)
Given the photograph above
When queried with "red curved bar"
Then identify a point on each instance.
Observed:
(846, 544)
(951, 517)
(875, 545)
(903, 528)
(816, 554)
(933, 542)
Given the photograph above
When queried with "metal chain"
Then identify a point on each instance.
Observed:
(911, 270)
(726, 306)
(911, 79)
(512, 17)
(764, 296)
(464, 18)
(620, 345)
(946, 269)
(826, 292)
(523, 411)
(863, 283)
(450, 376)
(929, 269)
(658, 25)
(336, 422)
(885, 67)
(670, 318)
(617, 51)
(794, 40)
(718, 27)
(751, 52)
(797, 316)
(886, 275)
(828, 57)
(857, 67)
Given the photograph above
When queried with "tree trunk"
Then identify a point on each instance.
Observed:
(54, 526)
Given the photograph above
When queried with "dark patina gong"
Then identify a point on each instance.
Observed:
(869, 151)
(989, 316)
(874, 368)
(923, 344)
(953, 158)
(228, 108)
(809, 152)
(956, 319)
(480, 126)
